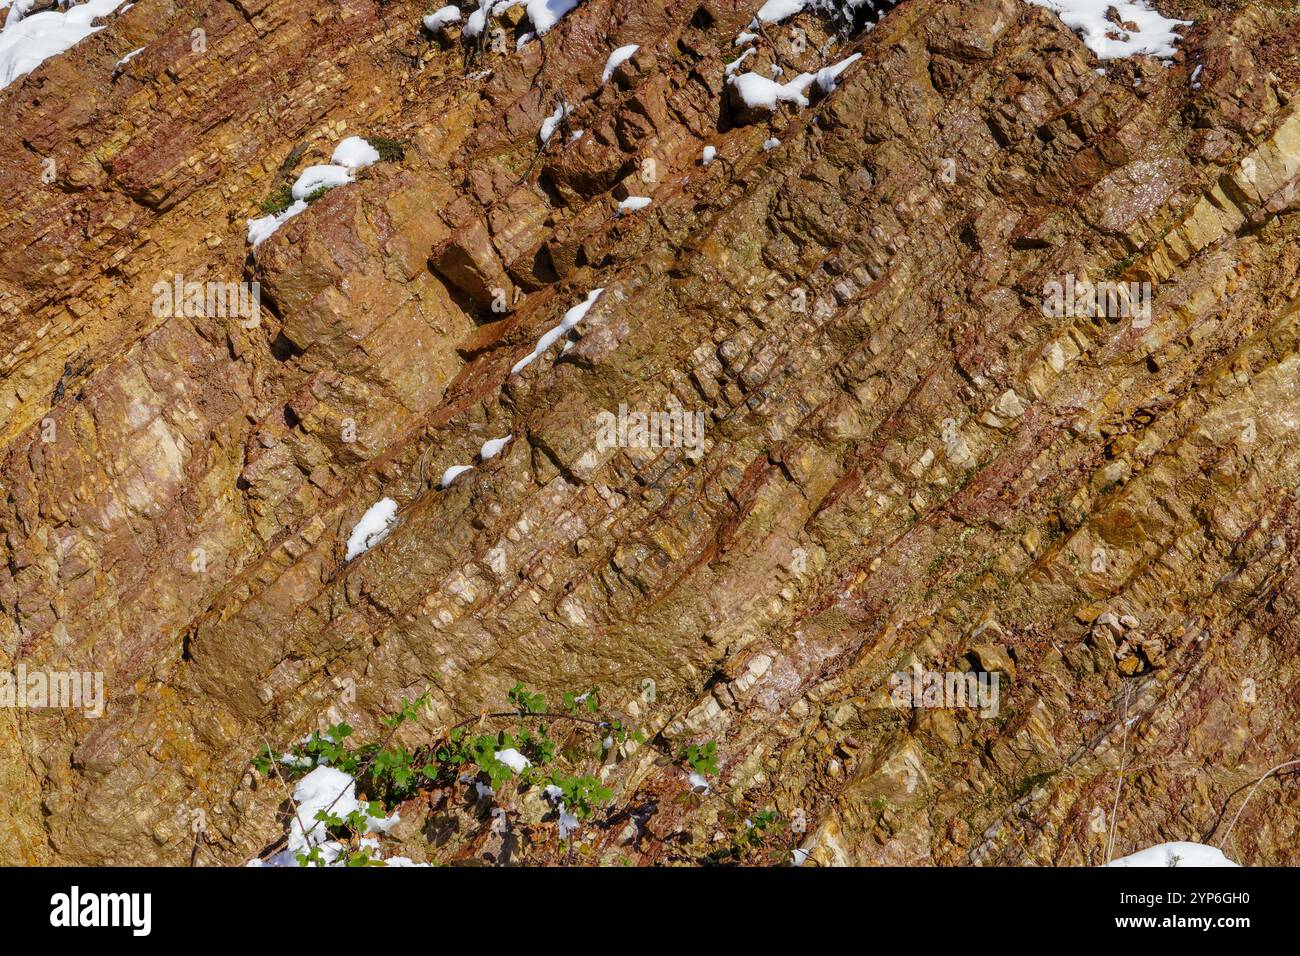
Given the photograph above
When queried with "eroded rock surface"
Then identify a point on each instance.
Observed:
(906, 459)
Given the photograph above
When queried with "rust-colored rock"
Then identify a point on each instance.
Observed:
(907, 464)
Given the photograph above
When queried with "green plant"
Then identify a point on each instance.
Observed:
(702, 758)
(749, 835)
(391, 773)
(389, 150)
(580, 795)
(279, 200)
(410, 710)
(589, 700)
(526, 702)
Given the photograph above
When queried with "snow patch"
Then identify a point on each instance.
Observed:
(568, 823)
(441, 18)
(354, 153)
(571, 318)
(325, 176)
(616, 59)
(452, 473)
(827, 75)
(492, 447)
(551, 122)
(760, 92)
(326, 788)
(477, 20)
(259, 230)
(709, 155)
(513, 759)
(129, 57)
(1175, 854)
(1154, 34)
(545, 14)
(28, 41)
(372, 528)
(734, 65)
(774, 11)
(633, 203)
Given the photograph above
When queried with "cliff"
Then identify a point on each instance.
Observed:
(906, 461)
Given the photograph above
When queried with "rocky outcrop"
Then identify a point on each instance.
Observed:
(908, 461)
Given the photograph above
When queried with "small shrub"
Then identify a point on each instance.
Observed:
(702, 758)
(391, 774)
(390, 150)
(278, 201)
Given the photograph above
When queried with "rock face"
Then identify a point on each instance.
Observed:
(909, 462)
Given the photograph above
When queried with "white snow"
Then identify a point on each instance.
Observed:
(758, 91)
(129, 57)
(1154, 35)
(354, 153)
(441, 18)
(698, 782)
(827, 75)
(545, 14)
(316, 177)
(373, 527)
(571, 318)
(492, 447)
(567, 822)
(771, 144)
(259, 230)
(709, 155)
(326, 787)
(734, 65)
(576, 135)
(28, 41)
(551, 122)
(332, 791)
(18, 10)
(774, 11)
(633, 203)
(743, 38)
(619, 56)
(453, 472)
(513, 759)
(477, 20)
(1175, 854)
